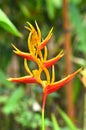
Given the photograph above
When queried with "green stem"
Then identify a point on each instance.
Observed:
(42, 119)
(43, 108)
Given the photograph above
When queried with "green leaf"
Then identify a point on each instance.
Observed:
(3, 99)
(50, 8)
(54, 122)
(8, 25)
(13, 100)
(66, 119)
(80, 28)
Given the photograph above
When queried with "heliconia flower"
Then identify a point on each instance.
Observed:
(35, 45)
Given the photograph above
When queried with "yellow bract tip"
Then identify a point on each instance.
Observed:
(31, 26)
(16, 52)
(80, 69)
(15, 47)
(9, 79)
(61, 53)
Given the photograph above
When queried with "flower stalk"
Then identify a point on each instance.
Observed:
(43, 119)
(43, 109)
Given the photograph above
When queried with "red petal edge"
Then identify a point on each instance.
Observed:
(52, 61)
(25, 79)
(26, 56)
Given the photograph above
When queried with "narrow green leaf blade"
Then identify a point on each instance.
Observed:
(54, 122)
(66, 119)
(8, 25)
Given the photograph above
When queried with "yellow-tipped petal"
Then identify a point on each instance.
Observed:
(31, 26)
(17, 50)
(41, 56)
(46, 73)
(61, 53)
(53, 74)
(45, 53)
(38, 30)
(26, 67)
(28, 28)
(28, 56)
(10, 79)
(43, 44)
(33, 39)
(52, 61)
(83, 76)
(31, 48)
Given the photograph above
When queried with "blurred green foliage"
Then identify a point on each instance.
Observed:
(66, 119)
(79, 27)
(16, 101)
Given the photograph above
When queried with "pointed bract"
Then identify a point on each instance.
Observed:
(57, 85)
(43, 44)
(25, 79)
(25, 55)
(52, 61)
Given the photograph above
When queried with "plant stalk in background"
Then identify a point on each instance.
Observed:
(35, 46)
(68, 55)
